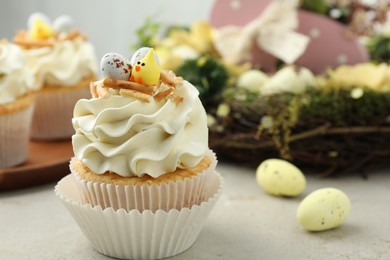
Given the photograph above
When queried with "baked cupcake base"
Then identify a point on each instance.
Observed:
(136, 235)
(15, 123)
(176, 190)
(54, 110)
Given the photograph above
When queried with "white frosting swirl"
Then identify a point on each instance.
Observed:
(65, 64)
(132, 138)
(15, 79)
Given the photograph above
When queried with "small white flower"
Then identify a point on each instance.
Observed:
(223, 110)
(267, 122)
(219, 128)
(335, 13)
(210, 120)
(357, 93)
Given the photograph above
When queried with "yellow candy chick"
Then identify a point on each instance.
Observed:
(146, 70)
(41, 30)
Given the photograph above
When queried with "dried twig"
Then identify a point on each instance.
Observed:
(124, 84)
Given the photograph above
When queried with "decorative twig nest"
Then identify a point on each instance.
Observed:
(331, 131)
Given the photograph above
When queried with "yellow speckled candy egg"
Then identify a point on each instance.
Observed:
(323, 209)
(280, 178)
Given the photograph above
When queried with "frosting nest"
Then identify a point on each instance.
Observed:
(124, 135)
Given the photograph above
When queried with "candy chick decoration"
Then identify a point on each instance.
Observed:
(42, 32)
(146, 70)
(140, 54)
(40, 29)
(145, 82)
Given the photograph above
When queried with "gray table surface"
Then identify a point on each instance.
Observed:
(246, 223)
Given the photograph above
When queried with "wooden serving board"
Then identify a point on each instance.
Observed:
(47, 162)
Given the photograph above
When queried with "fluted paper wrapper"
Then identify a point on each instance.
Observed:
(135, 235)
(15, 136)
(53, 113)
(165, 196)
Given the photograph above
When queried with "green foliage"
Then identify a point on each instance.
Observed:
(242, 95)
(315, 107)
(317, 6)
(340, 109)
(324, 7)
(146, 34)
(207, 74)
(279, 64)
(379, 48)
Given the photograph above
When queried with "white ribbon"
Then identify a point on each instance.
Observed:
(272, 31)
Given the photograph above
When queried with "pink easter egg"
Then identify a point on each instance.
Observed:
(236, 12)
(330, 44)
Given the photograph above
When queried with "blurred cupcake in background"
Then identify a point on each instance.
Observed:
(63, 63)
(16, 105)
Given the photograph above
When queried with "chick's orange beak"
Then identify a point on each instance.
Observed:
(137, 68)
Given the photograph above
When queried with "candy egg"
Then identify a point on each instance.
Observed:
(116, 66)
(289, 79)
(63, 23)
(280, 178)
(323, 209)
(252, 80)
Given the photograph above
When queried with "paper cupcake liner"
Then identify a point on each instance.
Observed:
(53, 113)
(165, 196)
(136, 235)
(15, 136)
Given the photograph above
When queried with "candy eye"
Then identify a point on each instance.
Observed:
(138, 62)
(143, 64)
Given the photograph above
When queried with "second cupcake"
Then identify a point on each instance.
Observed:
(16, 105)
(63, 63)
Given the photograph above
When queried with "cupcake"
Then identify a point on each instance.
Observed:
(63, 63)
(142, 167)
(16, 105)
